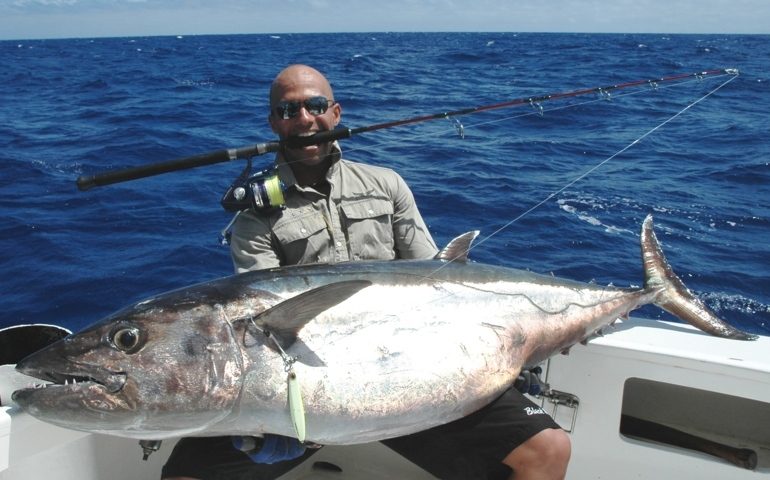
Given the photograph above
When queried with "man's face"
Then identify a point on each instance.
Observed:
(299, 86)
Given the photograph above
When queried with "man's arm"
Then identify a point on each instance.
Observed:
(410, 234)
(251, 246)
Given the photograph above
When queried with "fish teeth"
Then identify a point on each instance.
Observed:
(38, 386)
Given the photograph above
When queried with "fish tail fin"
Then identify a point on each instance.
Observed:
(673, 296)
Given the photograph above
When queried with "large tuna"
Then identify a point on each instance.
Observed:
(334, 354)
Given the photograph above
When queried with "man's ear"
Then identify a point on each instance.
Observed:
(337, 111)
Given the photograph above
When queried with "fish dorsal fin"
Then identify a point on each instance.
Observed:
(287, 318)
(457, 249)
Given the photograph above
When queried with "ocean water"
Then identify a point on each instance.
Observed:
(562, 190)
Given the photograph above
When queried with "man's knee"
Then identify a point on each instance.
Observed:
(549, 450)
(553, 444)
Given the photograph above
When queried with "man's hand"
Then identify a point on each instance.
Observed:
(270, 448)
(529, 382)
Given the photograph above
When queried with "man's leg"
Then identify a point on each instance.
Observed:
(544, 456)
(510, 433)
(215, 458)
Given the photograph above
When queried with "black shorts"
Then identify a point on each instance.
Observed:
(469, 448)
(475, 446)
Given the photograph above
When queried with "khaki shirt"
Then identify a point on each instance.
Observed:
(370, 214)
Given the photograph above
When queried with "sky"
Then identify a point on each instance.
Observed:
(33, 19)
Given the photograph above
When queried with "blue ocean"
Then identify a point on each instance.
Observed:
(556, 186)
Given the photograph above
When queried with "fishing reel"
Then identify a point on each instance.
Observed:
(262, 191)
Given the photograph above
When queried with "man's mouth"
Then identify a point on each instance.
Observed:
(301, 140)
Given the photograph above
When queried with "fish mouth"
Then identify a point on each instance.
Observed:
(73, 378)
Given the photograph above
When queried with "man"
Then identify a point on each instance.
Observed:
(337, 210)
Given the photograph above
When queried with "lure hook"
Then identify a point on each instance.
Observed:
(457, 124)
(536, 105)
(604, 94)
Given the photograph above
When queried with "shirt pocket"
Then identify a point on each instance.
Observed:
(369, 224)
(302, 239)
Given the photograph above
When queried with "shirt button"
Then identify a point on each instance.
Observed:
(339, 244)
(302, 230)
(370, 211)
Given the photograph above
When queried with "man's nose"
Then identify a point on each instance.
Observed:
(304, 117)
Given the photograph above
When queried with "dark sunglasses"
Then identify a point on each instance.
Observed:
(314, 106)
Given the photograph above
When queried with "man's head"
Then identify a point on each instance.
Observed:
(302, 103)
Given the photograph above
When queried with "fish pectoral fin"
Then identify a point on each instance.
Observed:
(287, 318)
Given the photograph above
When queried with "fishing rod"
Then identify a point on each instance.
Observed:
(85, 182)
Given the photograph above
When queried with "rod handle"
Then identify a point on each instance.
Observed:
(85, 182)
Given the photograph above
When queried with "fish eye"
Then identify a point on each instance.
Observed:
(127, 339)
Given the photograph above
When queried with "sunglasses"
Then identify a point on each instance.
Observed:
(290, 108)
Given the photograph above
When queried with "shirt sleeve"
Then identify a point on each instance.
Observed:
(251, 246)
(410, 234)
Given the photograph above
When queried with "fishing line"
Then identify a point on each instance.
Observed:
(539, 111)
(596, 167)
(86, 182)
(603, 96)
